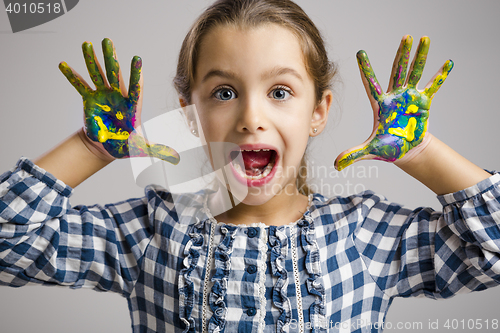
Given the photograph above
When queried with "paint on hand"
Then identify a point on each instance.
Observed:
(104, 134)
(403, 111)
(104, 107)
(407, 133)
(110, 117)
(139, 147)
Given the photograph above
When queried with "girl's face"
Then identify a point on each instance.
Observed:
(252, 89)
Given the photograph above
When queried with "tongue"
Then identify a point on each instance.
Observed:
(256, 160)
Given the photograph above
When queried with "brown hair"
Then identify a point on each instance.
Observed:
(252, 13)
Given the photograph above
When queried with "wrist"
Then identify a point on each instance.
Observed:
(418, 153)
(72, 161)
(91, 147)
(442, 169)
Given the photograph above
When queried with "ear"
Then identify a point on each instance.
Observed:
(320, 113)
(190, 117)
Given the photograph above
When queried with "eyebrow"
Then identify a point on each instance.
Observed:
(276, 71)
(220, 73)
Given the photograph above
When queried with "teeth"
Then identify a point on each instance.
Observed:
(268, 169)
(255, 150)
(237, 167)
(264, 174)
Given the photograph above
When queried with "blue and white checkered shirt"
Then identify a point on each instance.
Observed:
(336, 269)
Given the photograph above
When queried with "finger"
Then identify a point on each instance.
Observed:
(400, 66)
(135, 87)
(140, 147)
(438, 79)
(368, 75)
(75, 79)
(95, 71)
(113, 71)
(350, 156)
(356, 153)
(418, 64)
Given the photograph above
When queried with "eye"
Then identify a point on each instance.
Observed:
(280, 93)
(224, 94)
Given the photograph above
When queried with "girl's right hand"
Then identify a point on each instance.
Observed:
(111, 113)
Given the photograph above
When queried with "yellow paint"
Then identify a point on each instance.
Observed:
(116, 86)
(413, 108)
(119, 115)
(424, 131)
(392, 117)
(120, 150)
(104, 134)
(436, 84)
(380, 128)
(349, 159)
(104, 107)
(408, 132)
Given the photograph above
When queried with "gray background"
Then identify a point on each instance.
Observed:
(39, 108)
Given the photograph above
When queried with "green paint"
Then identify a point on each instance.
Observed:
(419, 62)
(401, 62)
(403, 112)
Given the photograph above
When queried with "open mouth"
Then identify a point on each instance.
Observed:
(257, 163)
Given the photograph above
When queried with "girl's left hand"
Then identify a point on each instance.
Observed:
(401, 114)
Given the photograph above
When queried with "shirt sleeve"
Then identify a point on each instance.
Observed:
(434, 254)
(45, 241)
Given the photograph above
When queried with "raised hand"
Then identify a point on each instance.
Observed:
(111, 113)
(401, 114)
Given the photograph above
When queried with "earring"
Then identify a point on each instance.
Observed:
(315, 130)
(195, 132)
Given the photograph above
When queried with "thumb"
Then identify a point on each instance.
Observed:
(139, 146)
(351, 156)
(356, 153)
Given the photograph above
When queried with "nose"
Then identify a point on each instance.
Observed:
(252, 117)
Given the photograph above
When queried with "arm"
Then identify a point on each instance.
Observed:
(442, 169)
(45, 241)
(73, 161)
(436, 254)
(409, 253)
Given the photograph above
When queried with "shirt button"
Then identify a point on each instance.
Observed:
(252, 269)
(251, 312)
(252, 232)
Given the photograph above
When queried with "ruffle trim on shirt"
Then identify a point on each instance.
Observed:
(263, 247)
(186, 286)
(222, 260)
(313, 268)
(279, 247)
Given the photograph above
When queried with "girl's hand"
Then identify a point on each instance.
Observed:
(401, 114)
(111, 113)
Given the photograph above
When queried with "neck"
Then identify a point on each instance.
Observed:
(281, 209)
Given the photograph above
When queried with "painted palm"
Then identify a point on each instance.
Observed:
(112, 114)
(401, 114)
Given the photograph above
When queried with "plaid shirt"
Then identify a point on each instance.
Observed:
(336, 269)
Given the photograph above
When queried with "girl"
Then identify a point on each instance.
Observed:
(258, 74)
